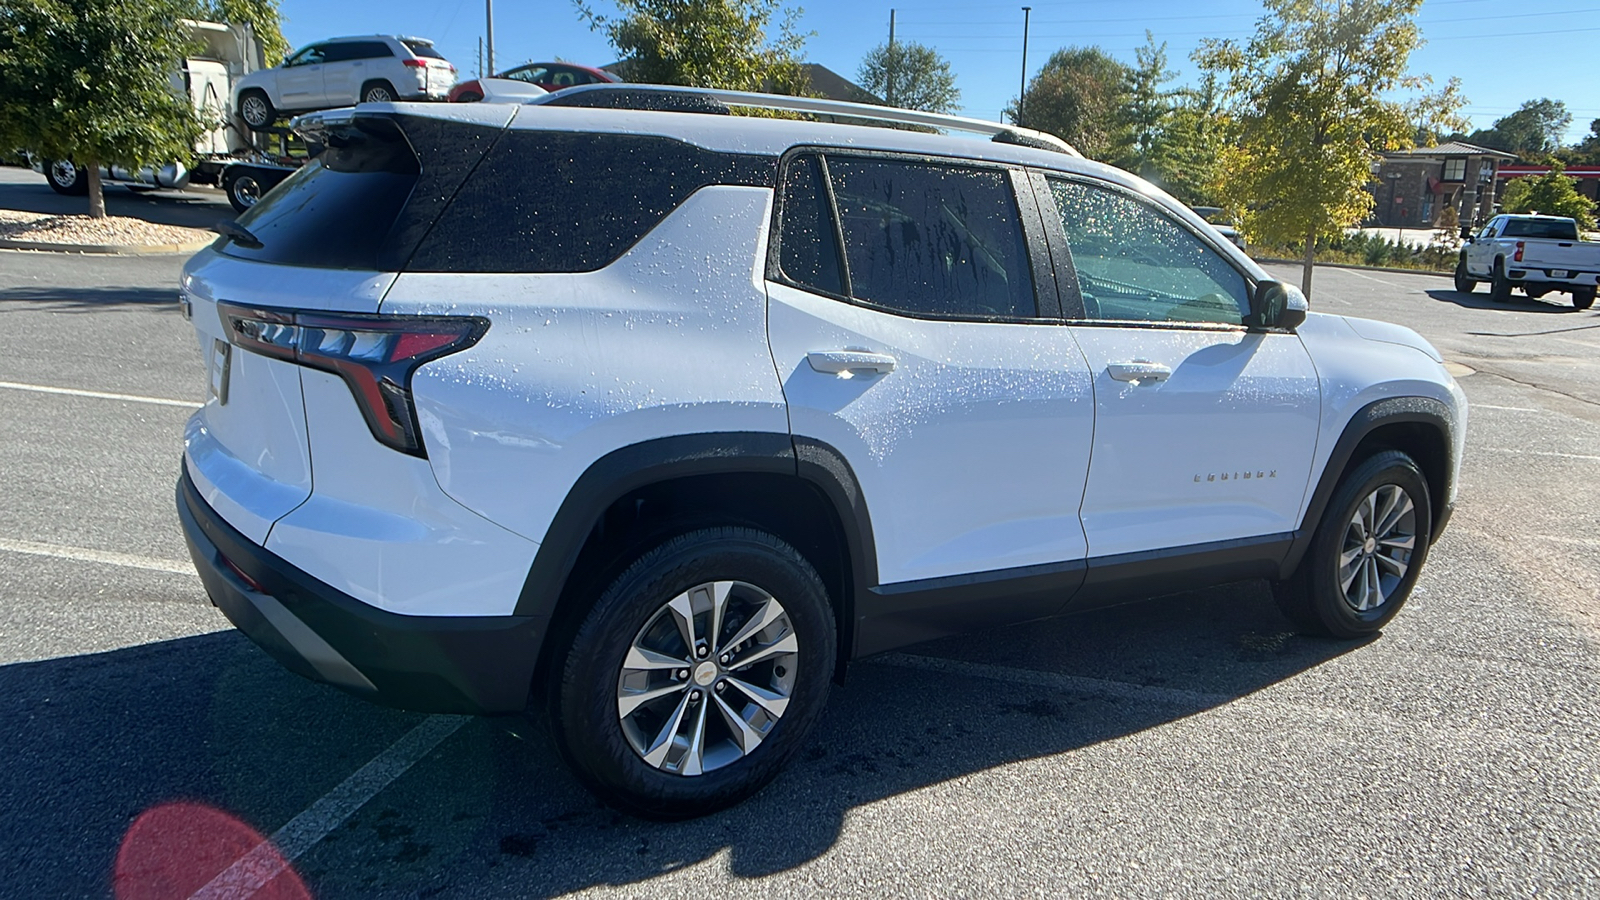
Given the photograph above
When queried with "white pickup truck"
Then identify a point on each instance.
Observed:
(1539, 254)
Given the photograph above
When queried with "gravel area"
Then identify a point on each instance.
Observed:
(112, 230)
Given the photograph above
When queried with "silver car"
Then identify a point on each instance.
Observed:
(342, 72)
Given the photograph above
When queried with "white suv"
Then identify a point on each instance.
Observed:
(654, 418)
(344, 71)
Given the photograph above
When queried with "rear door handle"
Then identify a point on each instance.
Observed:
(838, 362)
(1138, 372)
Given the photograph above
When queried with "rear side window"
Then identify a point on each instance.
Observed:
(809, 248)
(345, 51)
(932, 239)
(548, 201)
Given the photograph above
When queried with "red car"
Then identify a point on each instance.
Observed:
(550, 76)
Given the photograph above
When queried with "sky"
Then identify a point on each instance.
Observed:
(1503, 53)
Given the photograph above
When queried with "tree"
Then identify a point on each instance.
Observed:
(1081, 95)
(912, 76)
(89, 80)
(704, 43)
(1148, 105)
(1533, 131)
(1308, 106)
(1550, 194)
(262, 16)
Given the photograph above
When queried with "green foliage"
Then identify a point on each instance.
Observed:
(705, 43)
(921, 78)
(1081, 95)
(1534, 130)
(1176, 133)
(1550, 194)
(1362, 249)
(90, 80)
(1308, 105)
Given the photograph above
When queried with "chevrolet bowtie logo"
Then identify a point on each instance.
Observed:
(1236, 476)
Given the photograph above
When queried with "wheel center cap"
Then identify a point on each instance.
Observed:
(705, 673)
(1370, 545)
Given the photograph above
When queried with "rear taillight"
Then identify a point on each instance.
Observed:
(374, 354)
(1517, 256)
(414, 63)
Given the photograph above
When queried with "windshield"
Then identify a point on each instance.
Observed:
(423, 49)
(1554, 229)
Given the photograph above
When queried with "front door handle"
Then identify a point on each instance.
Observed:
(843, 362)
(1138, 372)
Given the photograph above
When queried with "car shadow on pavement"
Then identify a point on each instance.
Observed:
(89, 299)
(1550, 303)
(93, 741)
(193, 208)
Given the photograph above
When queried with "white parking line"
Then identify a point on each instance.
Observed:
(1077, 684)
(85, 554)
(98, 395)
(1477, 406)
(1539, 453)
(269, 858)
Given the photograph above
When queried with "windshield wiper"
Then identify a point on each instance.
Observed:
(237, 233)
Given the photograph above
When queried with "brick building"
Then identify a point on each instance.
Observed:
(1412, 187)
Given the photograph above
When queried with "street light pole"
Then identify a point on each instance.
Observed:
(888, 91)
(1022, 92)
(488, 14)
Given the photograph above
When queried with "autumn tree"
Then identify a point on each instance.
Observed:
(1550, 194)
(1309, 100)
(910, 76)
(1081, 95)
(90, 81)
(705, 43)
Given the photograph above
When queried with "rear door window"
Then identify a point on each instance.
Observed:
(932, 239)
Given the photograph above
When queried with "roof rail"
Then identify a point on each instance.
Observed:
(667, 94)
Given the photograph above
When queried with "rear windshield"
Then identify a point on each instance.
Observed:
(366, 200)
(423, 49)
(1554, 229)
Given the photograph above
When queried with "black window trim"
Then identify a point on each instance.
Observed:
(1076, 314)
(1046, 306)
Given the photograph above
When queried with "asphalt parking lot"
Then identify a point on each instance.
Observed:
(1183, 746)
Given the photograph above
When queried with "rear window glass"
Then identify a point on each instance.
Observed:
(366, 201)
(1541, 228)
(421, 49)
(547, 201)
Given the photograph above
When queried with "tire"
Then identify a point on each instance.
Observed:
(623, 758)
(1465, 283)
(255, 108)
(378, 92)
(244, 188)
(1583, 298)
(1318, 599)
(66, 178)
(1499, 284)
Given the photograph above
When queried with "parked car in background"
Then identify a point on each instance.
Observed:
(345, 71)
(1539, 254)
(1217, 218)
(550, 76)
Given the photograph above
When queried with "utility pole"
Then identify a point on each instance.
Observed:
(488, 13)
(888, 91)
(1022, 92)
(480, 57)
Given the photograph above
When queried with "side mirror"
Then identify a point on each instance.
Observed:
(1277, 305)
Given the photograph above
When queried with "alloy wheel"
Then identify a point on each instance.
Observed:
(707, 678)
(254, 110)
(1378, 544)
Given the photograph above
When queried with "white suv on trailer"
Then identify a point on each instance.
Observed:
(652, 416)
(344, 71)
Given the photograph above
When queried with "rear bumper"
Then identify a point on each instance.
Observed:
(456, 664)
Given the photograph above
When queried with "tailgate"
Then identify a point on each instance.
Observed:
(247, 448)
(1570, 255)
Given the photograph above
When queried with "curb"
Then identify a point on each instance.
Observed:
(1331, 265)
(113, 249)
